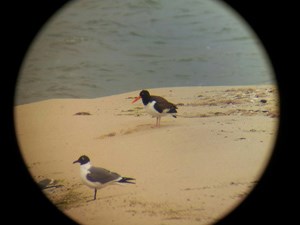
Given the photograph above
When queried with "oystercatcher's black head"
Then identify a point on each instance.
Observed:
(145, 95)
(82, 160)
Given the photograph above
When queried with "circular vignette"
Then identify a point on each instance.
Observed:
(243, 204)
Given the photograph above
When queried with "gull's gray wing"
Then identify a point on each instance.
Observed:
(101, 175)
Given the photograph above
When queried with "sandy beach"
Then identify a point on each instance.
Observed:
(194, 169)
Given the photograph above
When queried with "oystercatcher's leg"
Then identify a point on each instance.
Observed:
(95, 194)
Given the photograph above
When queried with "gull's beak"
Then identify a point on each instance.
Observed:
(77, 161)
(136, 99)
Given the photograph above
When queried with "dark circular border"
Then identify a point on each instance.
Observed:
(271, 199)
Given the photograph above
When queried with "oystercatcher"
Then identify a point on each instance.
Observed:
(96, 177)
(156, 106)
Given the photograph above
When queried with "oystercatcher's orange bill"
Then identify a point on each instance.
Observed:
(136, 99)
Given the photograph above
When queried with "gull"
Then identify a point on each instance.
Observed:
(97, 177)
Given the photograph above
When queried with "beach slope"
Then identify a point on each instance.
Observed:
(194, 169)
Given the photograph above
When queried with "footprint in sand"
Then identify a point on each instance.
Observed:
(138, 128)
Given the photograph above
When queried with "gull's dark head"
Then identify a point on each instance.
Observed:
(82, 160)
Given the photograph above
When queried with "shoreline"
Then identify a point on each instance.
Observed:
(192, 170)
(162, 88)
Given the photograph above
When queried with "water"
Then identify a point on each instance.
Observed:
(95, 48)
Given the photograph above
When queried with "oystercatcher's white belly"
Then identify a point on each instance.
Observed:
(152, 111)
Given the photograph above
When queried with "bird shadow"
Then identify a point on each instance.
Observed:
(108, 197)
